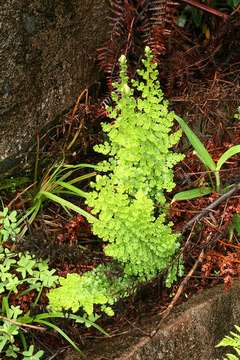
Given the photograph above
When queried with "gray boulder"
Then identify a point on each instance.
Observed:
(47, 57)
(191, 332)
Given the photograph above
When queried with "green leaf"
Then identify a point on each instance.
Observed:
(192, 194)
(79, 166)
(231, 340)
(228, 154)
(181, 21)
(61, 332)
(29, 354)
(56, 314)
(68, 204)
(236, 223)
(88, 322)
(233, 3)
(12, 283)
(13, 216)
(74, 190)
(198, 146)
(5, 306)
(12, 351)
(26, 264)
(14, 312)
(81, 178)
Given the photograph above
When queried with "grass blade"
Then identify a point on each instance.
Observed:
(61, 332)
(49, 315)
(225, 156)
(82, 177)
(198, 146)
(68, 204)
(236, 223)
(192, 194)
(80, 166)
(91, 323)
(69, 316)
(74, 190)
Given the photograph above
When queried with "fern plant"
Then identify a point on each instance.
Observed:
(232, 340)
(138, 171)
(127, 198)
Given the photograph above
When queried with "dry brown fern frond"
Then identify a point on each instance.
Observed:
(135, 24)
(120, 38)
(158, 22)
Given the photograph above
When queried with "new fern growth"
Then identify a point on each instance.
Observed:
(127, 197)
(140, 139)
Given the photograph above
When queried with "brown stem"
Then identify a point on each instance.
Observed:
(210, 207)
(181, 287)
(207, 8)
(22, 325)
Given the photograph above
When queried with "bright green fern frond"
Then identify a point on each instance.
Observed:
(139, 170)
(100, 287)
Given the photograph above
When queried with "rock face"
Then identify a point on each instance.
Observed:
(47, 57)
(190, 333)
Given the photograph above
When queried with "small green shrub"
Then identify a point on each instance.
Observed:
(21, 273)
(17, 272)
(18, 269)
(10, 328)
